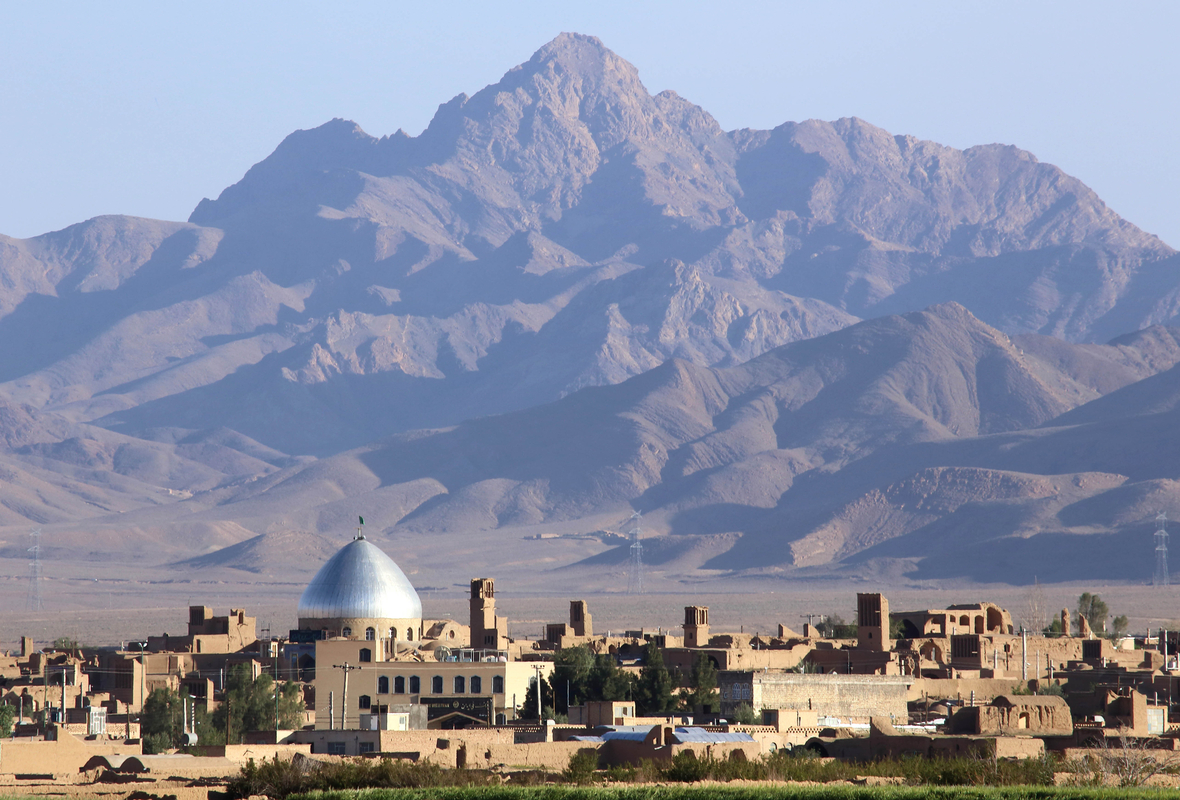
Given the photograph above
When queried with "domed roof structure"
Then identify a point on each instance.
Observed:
(360, 582)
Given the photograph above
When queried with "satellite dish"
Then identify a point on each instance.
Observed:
(442, 652)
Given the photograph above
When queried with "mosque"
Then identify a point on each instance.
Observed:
(361, 593)
(383, 667)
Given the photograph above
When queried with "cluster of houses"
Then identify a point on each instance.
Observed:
(378, 678)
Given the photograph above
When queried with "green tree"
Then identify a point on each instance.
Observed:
(1119, 626)
(1094, 609)
(745, 715)
(608, 682)
(250, 705)
(7, 715)
(653, 692)
(162, 720)
(571, 677)
(702, 689)
(528, 709)
(1054, 628)
(834, 627)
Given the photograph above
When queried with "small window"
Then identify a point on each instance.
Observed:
(415, 684)
(436, 684)
(336, 748)
(366, 747)
(489, 638)
(450, 634)
(497, 684)
(346, 632)
(410, 634)
(460, 684)
(393, 633)
(476, 684)
(383, 685)
(370, 634)
(399, 685)
(366, 655)
(365, 701)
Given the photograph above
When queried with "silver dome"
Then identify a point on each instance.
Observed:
(360, 582)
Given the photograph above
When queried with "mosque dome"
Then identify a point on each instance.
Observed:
(360, 582)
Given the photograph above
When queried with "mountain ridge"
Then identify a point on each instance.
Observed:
(565, 239)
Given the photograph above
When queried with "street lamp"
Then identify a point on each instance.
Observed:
(142, 683)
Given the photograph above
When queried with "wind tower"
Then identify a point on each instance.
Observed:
(33, 603)
(1160, 578)
(635, 577)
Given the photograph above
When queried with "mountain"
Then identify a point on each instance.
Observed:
(894, 446)
(567, 297)
(561, 228)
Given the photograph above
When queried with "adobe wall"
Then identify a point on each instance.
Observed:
(743, 658)
(844, 696)
(442, 747)
(986, 689)
(720, 751)
(1031, 719)
(865, 748)
(66, 754)
(241, 753)
(554, 756)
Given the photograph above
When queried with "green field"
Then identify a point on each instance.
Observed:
(743, 793)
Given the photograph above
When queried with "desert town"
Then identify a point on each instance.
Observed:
(364, 674)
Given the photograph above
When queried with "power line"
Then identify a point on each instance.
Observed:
(1160, 578)
(635, 576)
(33, 602)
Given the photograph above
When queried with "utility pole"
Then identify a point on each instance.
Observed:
(143, 684)
(275, 657)
(228, 717)
(1023, 654)
(344, 697)
(537, 667)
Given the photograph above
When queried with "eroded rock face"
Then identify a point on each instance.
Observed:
(565, 229)
(558, 229)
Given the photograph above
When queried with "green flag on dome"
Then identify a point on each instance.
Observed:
(362, 519)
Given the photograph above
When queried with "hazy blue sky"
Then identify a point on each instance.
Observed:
(145, 108)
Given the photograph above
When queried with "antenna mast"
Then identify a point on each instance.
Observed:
(635, 578)
(1160, 578)
(33, 603)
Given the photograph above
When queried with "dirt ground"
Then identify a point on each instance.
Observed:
(105, 608)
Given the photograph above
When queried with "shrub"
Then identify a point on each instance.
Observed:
(745, 715)
(687, 768)
(156, 743)
(278, 779)
(582, 767)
